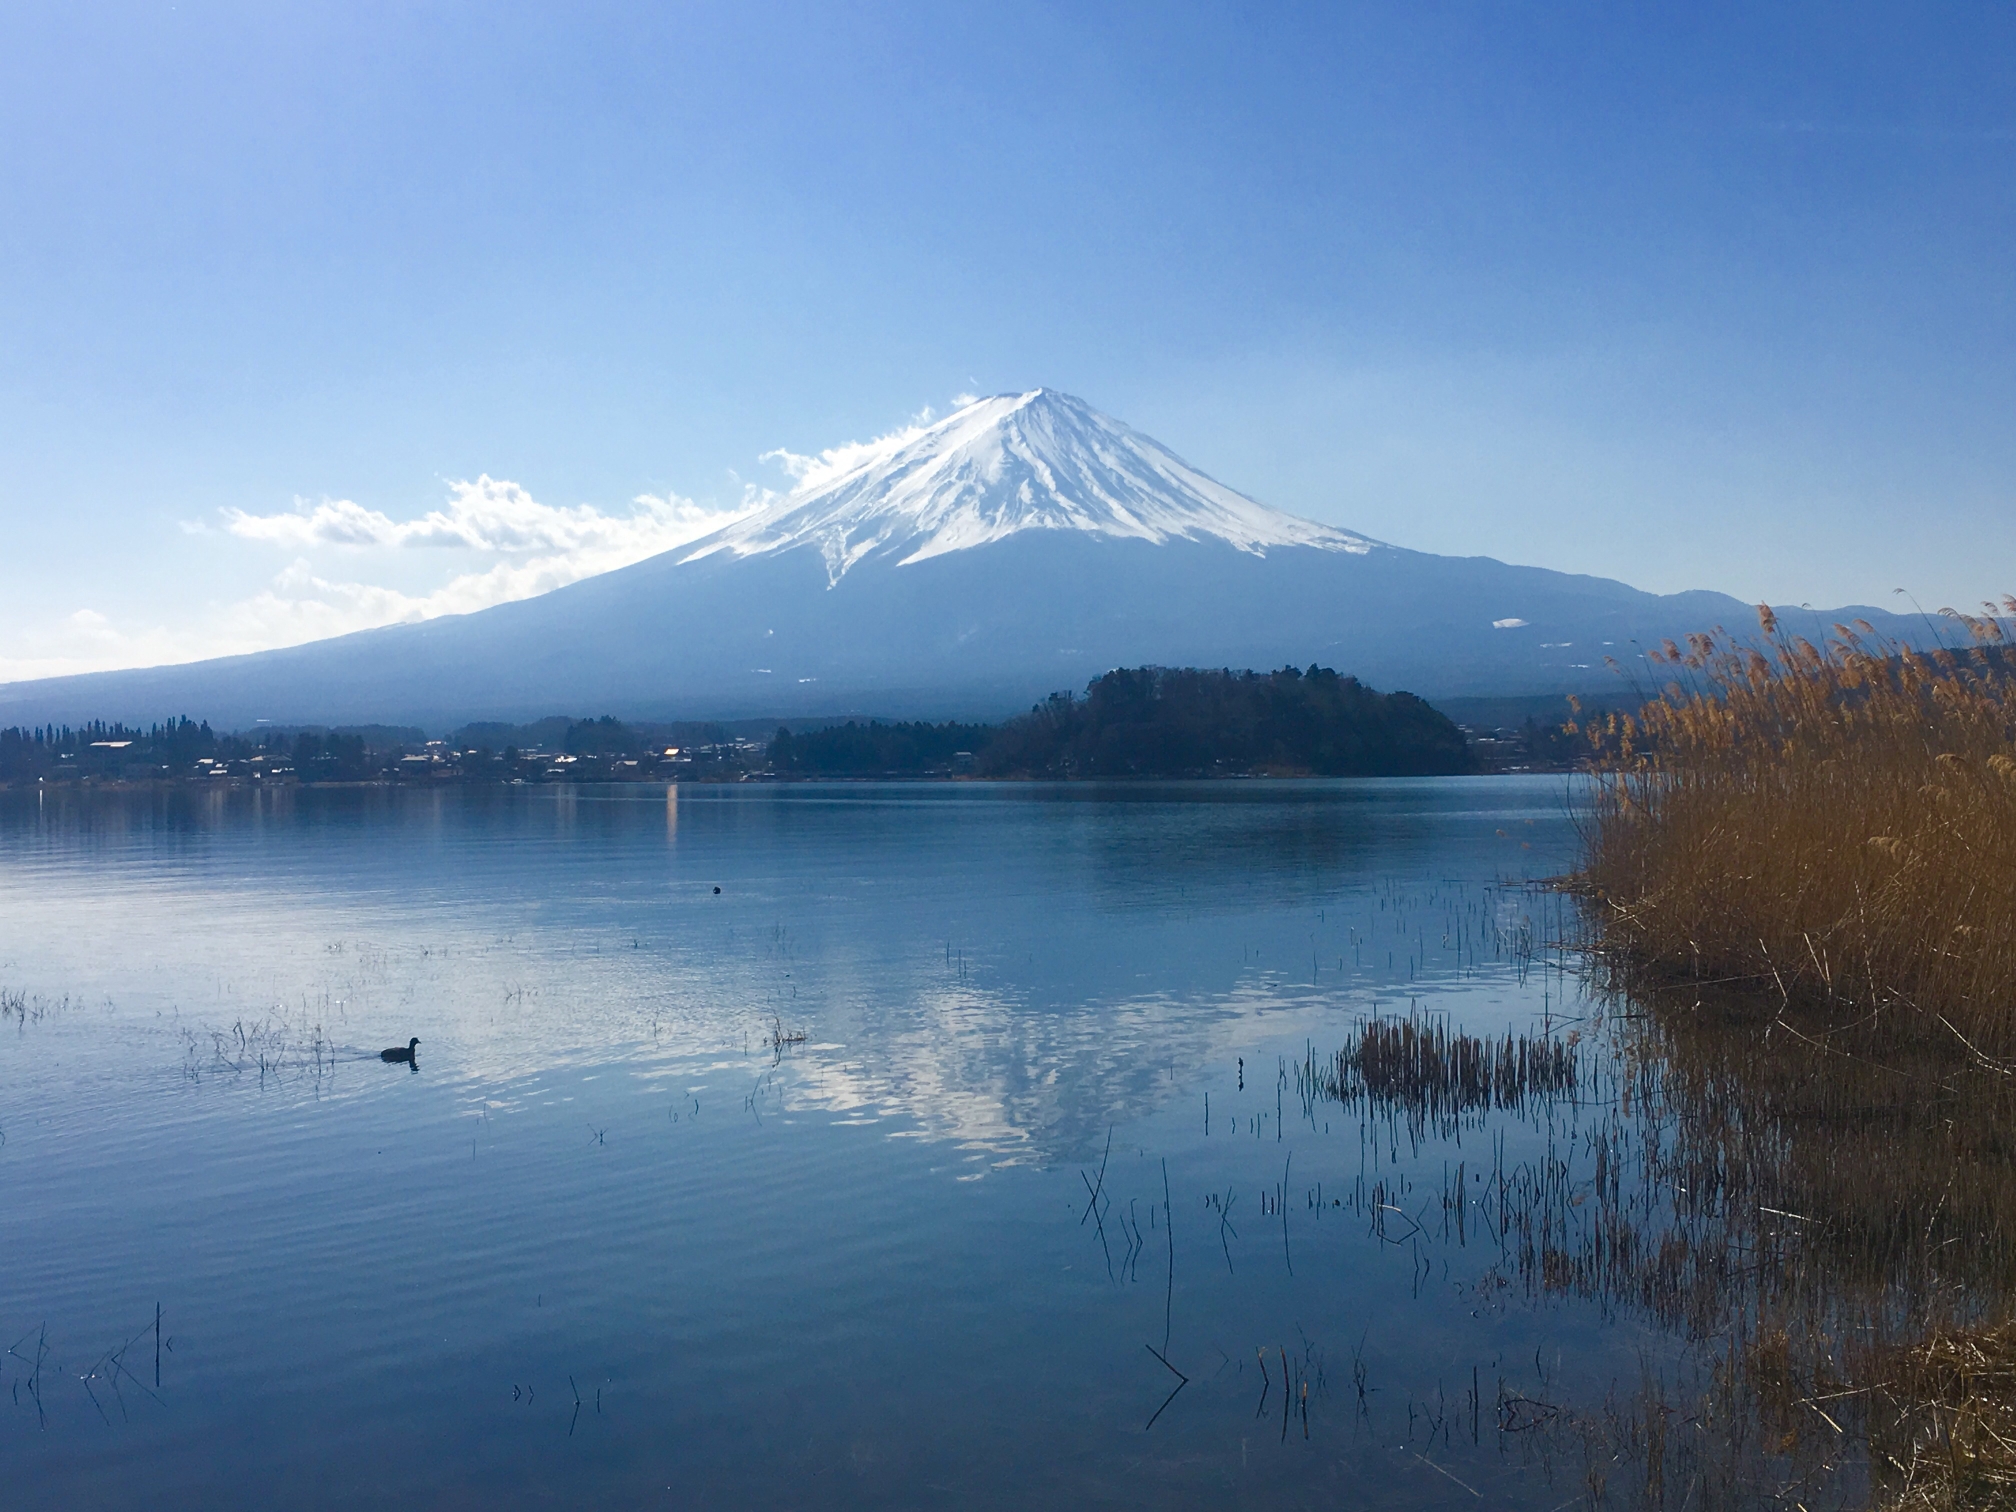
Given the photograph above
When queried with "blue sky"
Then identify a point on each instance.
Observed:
(1692, 296)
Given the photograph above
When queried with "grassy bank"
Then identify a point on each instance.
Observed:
(1835, 822)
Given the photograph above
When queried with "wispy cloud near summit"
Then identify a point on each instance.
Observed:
(809, 474)
(346, 557)
(495, 515)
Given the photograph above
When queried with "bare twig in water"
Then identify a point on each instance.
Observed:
(1100, 1185)
(1182, 1380)
(1169, 1228)
(1284, 1212)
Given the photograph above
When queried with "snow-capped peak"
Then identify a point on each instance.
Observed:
(1035, 461)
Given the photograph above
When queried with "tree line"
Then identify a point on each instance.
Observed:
(179, 746)
(1159, 722)
(1133, 722)
(560, 748)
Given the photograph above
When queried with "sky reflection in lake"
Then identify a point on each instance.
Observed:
(610, 1241)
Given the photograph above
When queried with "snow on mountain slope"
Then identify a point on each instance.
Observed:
(1035, 461)
(1019, 546)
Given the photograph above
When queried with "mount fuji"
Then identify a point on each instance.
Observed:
(1025, 543)
(998, 467)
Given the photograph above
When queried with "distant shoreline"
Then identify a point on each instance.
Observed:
(1131, 724)
(749, 779)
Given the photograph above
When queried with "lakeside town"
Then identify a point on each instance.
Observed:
(1145, 723)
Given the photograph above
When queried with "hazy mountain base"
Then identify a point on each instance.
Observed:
(1147, 722)
(976, 634)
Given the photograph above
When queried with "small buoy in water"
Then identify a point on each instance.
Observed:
(717, 892)
(396, 1054)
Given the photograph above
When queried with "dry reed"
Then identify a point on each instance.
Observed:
(1819, 1213)
(1435, 1077)
(1949, 1443)
(1836, 822)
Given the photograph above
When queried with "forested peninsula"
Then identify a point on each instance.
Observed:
(1160, 722)
(1133, 722)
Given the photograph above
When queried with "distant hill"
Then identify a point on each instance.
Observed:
(964, 569)
(1180, 722)
(1158, 722)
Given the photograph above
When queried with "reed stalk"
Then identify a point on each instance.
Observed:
(1835, 822)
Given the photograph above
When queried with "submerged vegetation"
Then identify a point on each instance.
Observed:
(1830, 1239)
(1437, 1077)
(1835, 822)
(1960, 1436)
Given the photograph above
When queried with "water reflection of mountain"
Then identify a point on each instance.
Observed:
(1012, 967)
(1065, 1021)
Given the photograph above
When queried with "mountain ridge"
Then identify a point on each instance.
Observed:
(966, 567)
(1004, 464)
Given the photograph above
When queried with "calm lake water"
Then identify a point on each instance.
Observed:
(621, 1238)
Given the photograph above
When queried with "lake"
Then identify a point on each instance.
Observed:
(847, 1145)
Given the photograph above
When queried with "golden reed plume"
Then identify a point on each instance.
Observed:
(1836, 822)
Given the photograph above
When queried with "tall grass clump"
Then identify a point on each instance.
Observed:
(1836, 822)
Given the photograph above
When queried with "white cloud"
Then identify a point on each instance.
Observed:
(808, 473)
(490, 514)
(533, 549)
